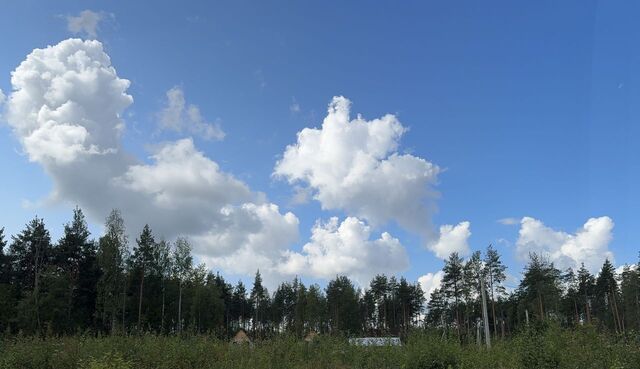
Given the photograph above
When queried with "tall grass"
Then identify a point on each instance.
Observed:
(535, 348)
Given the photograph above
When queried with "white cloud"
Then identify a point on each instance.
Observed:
(346, 249)
(509, 221)
(67, 102)
(452, 239)
(430, 282)
(65, 110)
(620, 268)
(179, 116)
(354, 165)
(589, 245)
(182, 176)
(86, 23)
(252, 237)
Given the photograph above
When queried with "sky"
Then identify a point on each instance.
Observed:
(314, 139)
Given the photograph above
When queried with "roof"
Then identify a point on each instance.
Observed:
(241, 337)
(375, 341)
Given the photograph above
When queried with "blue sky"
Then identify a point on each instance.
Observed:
(529, 109)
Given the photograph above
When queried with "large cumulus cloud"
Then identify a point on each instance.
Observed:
(66, 108)
(354, 165)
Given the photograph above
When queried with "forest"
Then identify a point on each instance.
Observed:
(114, 290)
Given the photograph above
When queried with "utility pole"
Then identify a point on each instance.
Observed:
(485, 316)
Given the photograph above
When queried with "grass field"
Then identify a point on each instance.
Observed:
(552, 348)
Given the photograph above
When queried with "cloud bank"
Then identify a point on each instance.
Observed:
(66, 108)
(588, 245)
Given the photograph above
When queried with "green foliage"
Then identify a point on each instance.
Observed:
(539, 346)
(108, 361)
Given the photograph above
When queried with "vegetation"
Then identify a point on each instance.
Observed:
(539, 347)
(80, 303)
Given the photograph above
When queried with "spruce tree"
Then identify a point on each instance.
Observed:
(73, 254)
(143, 263)
(32, 253)
(586, 286)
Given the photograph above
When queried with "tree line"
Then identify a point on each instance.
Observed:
(608, 301)
(79, 285)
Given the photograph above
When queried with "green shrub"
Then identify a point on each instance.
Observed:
(108, 361)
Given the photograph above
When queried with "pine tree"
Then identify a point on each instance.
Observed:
(495, 272)
(241, 308)
(473, 271)
(630, 295)
(4, 272)
(260, 305)
(300, 302)
(437, 308)
(571, 297)
(7, 295)
(453, 284)
(540, 286)
(163, 264)
(225, 292)
(379, 288)
(343, 306)
(316, 309)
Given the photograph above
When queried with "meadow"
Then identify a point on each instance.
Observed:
(551, 347)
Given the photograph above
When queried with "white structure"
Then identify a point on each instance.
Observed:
(375, 341)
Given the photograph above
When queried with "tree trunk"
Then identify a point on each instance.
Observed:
(36, 291)
(162, 314)
(70, 300)
(485, 315)
(140, 300)
(124, 306)
(541, 306)
(180, 308)
(493, 307)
